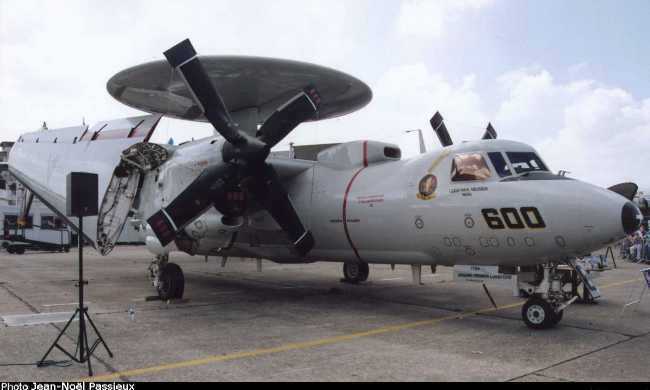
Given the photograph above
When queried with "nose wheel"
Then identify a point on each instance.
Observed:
(538, 313)
(356, 272)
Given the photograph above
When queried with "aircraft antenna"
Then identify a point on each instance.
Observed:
(423, 148)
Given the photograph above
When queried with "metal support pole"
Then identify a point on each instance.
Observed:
(83, 347)
(82, 326)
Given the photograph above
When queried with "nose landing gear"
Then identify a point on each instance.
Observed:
(549, 296)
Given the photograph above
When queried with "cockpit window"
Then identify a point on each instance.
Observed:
(500, 164)
(523, 162)
(469, 167)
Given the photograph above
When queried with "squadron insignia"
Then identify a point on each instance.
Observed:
(427, 187)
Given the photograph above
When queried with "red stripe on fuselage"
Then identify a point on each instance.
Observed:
(345, 200)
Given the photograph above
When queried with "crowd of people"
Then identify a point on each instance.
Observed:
(636, 247)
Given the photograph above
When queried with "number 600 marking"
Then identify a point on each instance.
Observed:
(513, 218)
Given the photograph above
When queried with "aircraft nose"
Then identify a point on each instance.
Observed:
(631, 218)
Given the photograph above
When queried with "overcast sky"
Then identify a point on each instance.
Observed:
(569, 77)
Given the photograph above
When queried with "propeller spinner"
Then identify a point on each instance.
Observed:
(243, 170)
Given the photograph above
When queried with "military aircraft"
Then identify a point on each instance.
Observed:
(483, 202)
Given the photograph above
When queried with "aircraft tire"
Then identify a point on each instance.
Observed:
(19, 250)
(365, 271)
(172, 282)
(538, 313)
(10, 249)
(355, 272)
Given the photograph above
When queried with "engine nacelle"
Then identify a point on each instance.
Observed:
(359, 154)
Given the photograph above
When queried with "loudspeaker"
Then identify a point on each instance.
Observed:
(81, 194)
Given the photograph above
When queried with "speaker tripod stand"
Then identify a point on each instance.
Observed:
(83, 351)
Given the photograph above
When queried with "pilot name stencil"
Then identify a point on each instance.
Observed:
(467, 191)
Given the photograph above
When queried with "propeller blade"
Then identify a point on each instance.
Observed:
(627, 190)
(183, 58)
(271, 195)
(441, 130)
(490, 132)
(189, 204)
(287, 117)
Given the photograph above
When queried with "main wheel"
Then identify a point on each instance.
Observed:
(356, 272)
(172, 282)
(19, 250)
(538, 313)
(10, 249)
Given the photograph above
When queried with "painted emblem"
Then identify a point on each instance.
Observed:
(469, 222)
(427, 187)
(419, 223)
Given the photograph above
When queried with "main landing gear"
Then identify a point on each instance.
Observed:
(167, 278)
(548, 295)
(355, 273)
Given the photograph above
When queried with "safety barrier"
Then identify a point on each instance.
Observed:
(636, 253)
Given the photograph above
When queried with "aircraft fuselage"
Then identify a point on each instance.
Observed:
(361, 207)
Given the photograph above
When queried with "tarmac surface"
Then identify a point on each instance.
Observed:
(300, 323)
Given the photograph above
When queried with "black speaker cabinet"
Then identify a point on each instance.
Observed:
(81, 196)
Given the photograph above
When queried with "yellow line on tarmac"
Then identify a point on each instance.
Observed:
(305, 344)
(621, 283)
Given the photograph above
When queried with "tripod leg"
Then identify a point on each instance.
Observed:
(99, 335)
(40, 363)
(85, 346)
(77, 350)
(83, 351)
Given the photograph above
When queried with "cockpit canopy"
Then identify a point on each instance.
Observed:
(523, 162)
(469, 167)
(505, 164)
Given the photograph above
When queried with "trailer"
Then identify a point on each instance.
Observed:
(19, 243)
(42, 231)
